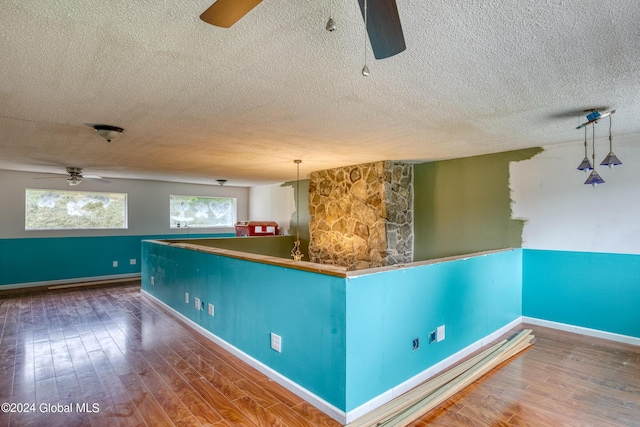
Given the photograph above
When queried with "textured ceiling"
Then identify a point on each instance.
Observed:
(200, 103)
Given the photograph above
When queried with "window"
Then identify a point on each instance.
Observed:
(202, 212)
(66, 210)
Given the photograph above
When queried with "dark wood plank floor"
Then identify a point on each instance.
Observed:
(113, 347)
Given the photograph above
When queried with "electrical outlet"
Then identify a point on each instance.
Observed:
(132, 261)
(115, 264)
(153, 281)
(196, 303)
(440, 333)
(186, 297)
(276, 342)
(416, 343)
(211, 309)
(432, 337)
(202, 305)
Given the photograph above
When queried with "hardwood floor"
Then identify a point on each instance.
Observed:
(113, 358)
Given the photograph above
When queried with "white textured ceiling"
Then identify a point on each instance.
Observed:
(200, 103)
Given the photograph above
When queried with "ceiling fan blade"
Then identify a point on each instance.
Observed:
(51, 177)
(225, 13)
(96, 178)
(383, 27)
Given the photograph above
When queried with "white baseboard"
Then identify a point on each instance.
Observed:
(583, 331)
(82, 281)
(428, 373)
(293, 387)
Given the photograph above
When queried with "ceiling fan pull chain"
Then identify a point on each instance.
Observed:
(365, 69)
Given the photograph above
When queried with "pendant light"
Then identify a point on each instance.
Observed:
(611, 160)
(295, 252)
(586, 164)
(594, 178)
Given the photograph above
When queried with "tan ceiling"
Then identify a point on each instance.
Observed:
(200, 103)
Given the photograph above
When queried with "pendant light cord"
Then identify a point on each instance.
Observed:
(610, 143)
(593, 145)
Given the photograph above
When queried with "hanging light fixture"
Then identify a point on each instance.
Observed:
(594, 178)
(295, 252)
(611, 160)
(586, 164)
(365, 69)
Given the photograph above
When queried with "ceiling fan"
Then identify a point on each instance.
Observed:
(383, 22)
(76, 177)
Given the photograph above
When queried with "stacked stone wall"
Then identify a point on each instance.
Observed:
(362, 215)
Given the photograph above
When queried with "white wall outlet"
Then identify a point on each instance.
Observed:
(186, 297)
(132, 261)
(153, 281)
(276, 342)
(115, 263)
(196, 303)
(210, 309)
(440, 333)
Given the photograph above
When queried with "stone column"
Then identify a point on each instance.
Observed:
(362, 215)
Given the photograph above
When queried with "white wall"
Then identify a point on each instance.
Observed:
(148, 204)
(272, 203)
(562, 213)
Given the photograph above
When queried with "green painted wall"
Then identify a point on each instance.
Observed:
(464, 205)
(278, 246)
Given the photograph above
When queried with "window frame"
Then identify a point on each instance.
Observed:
(77, 194)
(174, 224)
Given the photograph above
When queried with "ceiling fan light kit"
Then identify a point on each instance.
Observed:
(108, 132)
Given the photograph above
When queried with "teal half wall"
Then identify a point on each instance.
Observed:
(345, 339)
(26, 261)
(591, 290)
(252, 300)
(472, 297)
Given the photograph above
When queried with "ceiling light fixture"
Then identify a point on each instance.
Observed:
(295, 252)
(221, 182)
(611, 160)
(108, 132)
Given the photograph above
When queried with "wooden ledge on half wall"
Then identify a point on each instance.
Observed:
(327, 269)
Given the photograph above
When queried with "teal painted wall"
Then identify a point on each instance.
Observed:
(252, 300)
(31, 260)
(385, 312)
(345, 340)
(592, 290)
